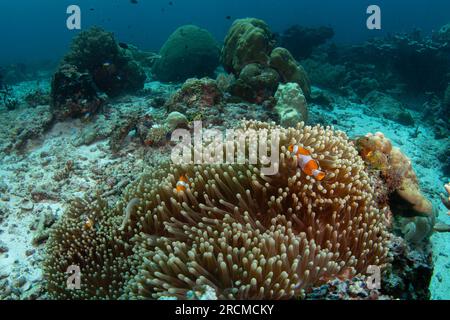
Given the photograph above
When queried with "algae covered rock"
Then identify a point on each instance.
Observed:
(301, 41)
(248, 41)
(195, 94)
(189, 52)
(447, 98)
(113, 70)
(389, 108)
(283, 61)
(291, 105)
(74, 93)
(256, 83)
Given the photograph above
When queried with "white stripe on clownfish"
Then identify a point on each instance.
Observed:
(308, 165)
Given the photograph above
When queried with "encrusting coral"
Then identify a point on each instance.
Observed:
(397, 172)
(245, 234)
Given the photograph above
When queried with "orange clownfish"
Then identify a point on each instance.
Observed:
(182, 184)
(306, 162)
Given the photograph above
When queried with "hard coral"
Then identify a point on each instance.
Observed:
(189, 52)
(248, 41)
(74, 93)
(195, 93)
(397, 172)
(244, 234)
(291, 105)
(282, 61)
(249, 54)
(256, 83)
(113, 70)
(302, 40)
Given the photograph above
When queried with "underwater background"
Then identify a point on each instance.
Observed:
(87, 182)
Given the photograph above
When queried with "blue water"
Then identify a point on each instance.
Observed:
(34, 30)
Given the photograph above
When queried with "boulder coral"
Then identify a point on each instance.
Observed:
(244, 234)
(291, 105)
(248, 41)
(256, 83)
(249, 53)
(189, 52)
(282, 61)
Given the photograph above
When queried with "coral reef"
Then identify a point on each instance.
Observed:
(74, 93)
(37, 97)
(244, 234)
(420, 62)
(6, 96)
(447, 100)
(248, 41)
(388, 107)
(346, 289)
(189, 52)
(249, 53)
(256, 83)
(301, 41)
(282, 61)
(113, 71)
(409, 275)
(197, 99)
(291, 105)
(399, 177)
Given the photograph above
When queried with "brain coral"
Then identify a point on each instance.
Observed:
(245, 234)
(189, 52)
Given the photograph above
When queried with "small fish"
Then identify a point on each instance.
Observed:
(306, 162)
(182, 184)
(134, 1)
(228, 17)
(89, 224)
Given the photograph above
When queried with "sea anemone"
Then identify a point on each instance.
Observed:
(245, 234)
